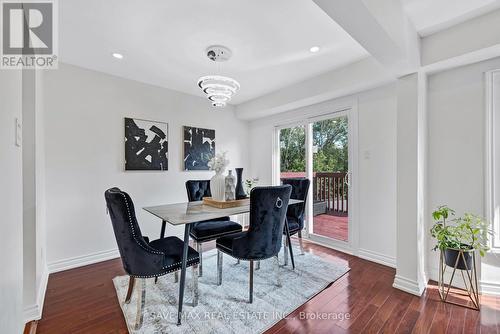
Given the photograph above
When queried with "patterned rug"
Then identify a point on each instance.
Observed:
(225, 308)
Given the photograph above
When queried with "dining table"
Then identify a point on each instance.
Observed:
(185, 214)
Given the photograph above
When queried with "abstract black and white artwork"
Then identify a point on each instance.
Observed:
(199, 148)
(146, 145)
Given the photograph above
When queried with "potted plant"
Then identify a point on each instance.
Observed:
(459, 235)
(250, 183)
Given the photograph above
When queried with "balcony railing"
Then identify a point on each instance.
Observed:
(330, 192)
(331, 188)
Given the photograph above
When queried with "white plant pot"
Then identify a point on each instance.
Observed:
(218, 187)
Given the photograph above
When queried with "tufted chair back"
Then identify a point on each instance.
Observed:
(197, 189)
(300, 189)
(138, 258)
(267, 219)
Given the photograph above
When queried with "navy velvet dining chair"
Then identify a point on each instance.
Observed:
(207, 230)
(142, 258)
(263, 239)
(296, 213)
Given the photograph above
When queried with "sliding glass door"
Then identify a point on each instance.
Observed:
(330, 198)
(318, 148)
(292, 143)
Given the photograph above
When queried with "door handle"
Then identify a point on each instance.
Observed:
(347, 178)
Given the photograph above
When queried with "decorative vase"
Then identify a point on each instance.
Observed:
(240, 192)
(230, 186)
(217, 186)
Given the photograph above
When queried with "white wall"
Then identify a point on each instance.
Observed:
(35, 267)
(357, 77)
(84, 139)
(377, 173)
(11, 199)
(457, 149)
(29, 189)
(377, 163)
(478, 34)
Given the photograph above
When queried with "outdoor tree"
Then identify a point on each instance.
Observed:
(330, 141)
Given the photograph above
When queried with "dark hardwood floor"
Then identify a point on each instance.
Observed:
(83, 300)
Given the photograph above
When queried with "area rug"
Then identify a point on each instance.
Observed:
(225, 308)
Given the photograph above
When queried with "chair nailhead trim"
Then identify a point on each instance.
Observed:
(133, 230)
(169, 271)
(152, 251)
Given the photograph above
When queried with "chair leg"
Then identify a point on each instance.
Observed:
(299, 235)
(286, 252)
(219, 267)
(257, 267)
(141, 300)
(195, 285)
(131, 282)
(199, 249)
(250, 290)
(176, 276)
(238, 261)
(156, 279)
(277, 271)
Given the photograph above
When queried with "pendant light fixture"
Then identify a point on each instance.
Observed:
(219, 89)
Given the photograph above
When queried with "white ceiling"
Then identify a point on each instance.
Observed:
(430, 16)
(163, 42)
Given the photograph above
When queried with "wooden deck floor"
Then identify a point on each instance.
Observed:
(83, 300)
(330, 226)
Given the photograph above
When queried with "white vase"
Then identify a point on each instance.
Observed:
(217, 186)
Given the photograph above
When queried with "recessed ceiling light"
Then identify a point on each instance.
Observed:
(314, 49)
(117, 55)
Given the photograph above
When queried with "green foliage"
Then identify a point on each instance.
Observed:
(467, 232)
(330, 137)
(443, 212)
(250, 183)
(293, 149)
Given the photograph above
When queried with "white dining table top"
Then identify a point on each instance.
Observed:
(191, 212)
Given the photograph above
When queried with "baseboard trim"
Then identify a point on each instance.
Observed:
(34, 312)
(485, 287)
(84, 260)
(377, 257)
(408, 285)
(489, 288)
(30, 327)
(329, 243)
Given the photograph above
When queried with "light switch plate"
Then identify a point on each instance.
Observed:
(19, 133)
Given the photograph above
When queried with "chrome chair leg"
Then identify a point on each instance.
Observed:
(131, 283)
(286, 252)
(199, 249)
(299, 235)
(176, 276)
(258, 265)
(277, 271)
(250, 291)
(195, 285)
(219, 267)
(141, 300)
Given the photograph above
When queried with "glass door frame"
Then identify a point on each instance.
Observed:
(351, 245)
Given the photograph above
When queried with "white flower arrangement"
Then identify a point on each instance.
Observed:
(219, 163)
